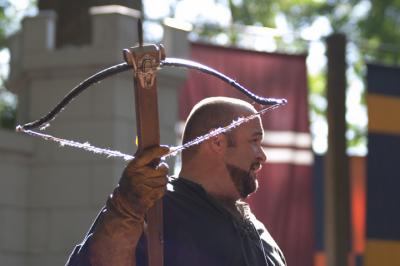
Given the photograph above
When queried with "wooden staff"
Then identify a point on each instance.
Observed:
(145, 60)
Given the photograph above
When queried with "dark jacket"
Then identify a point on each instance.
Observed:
(198, 231)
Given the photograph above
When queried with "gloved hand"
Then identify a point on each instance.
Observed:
(120, 224)
(144, 180)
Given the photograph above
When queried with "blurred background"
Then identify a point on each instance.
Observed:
(329, 192)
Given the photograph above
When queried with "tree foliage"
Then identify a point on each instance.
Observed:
(3, 23)
(381, 30)
(11, 14)
(253, 12)
(7, 110)
(372, 24)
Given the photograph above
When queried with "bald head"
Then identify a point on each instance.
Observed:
(209, 114)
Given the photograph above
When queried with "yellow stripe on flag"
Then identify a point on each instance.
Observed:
(383, 114)
(382, 252)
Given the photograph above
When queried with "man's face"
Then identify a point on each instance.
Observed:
(244, 156)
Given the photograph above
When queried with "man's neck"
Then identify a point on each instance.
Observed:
(233, 206)
(228, 203)
(211, 185)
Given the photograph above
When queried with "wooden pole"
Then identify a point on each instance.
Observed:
(337, 185)
(145, 60)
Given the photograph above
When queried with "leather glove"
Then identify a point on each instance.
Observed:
(142, 183)
(121, 222)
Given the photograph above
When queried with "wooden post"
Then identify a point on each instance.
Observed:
(337, 184)
(145, 60)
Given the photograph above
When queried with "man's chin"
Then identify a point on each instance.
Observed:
(244, 181)
(253, 175)
(253, 189)
(249, 185)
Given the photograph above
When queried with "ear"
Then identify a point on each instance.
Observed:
(218, 144)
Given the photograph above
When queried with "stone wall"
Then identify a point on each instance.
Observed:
(16, 152)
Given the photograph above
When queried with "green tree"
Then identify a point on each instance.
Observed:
(380, 29)
(10, 16)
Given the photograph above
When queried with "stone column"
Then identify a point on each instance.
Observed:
(176, 43)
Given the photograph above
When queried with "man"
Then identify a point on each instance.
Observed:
(205, 220)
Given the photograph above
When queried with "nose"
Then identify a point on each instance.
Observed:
(262, 156)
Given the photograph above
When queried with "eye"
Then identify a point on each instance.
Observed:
(256, 138)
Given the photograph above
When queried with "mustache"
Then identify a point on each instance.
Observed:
(255, 166)
(236, 170)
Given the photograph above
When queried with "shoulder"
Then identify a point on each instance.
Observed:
(183, 192)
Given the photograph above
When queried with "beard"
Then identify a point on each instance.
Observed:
(244, 181)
